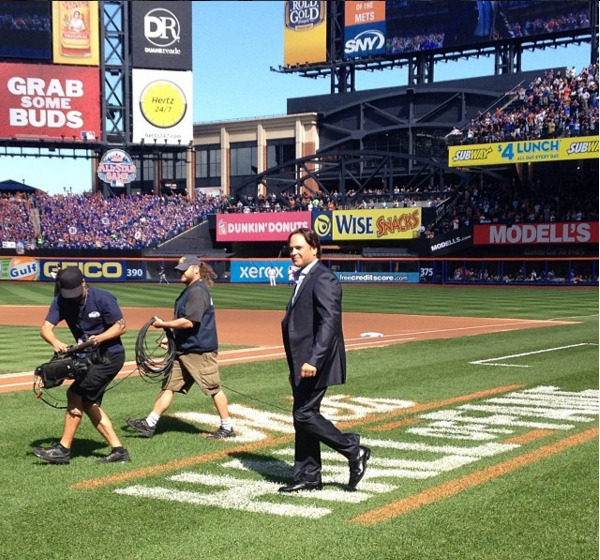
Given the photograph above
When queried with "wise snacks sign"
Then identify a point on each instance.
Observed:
(49, 102)
(364, 225)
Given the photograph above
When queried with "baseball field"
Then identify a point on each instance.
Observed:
(480, 406)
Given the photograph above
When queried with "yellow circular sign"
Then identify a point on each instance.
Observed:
(322, 225)
(163, 104)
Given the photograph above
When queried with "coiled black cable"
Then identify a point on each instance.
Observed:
(153, 358)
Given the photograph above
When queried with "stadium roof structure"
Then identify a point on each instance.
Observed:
(12, 186)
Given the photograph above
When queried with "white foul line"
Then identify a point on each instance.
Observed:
(484, 362)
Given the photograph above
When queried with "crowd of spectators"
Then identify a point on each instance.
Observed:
(557, 104)
(414, 26)
(531, 275)
(399, 197)
(510, 203)
(91, 221)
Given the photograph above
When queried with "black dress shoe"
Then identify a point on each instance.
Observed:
(301, 487)
(358, 467)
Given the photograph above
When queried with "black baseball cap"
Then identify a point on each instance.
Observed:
(186, 261)
(70, 282)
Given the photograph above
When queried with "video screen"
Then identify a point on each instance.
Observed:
(418, 26)
(26, 30)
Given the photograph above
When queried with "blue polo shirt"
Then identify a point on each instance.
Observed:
(195, 303)
(96, 313)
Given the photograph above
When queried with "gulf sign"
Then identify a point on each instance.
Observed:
(273, 226)
(526, 151)
(23, 269)
(362, 225)
(50, 102)
(536, 234)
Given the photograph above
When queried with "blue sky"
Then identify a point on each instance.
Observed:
(235, 45)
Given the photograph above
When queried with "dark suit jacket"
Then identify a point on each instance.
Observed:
(312, 330)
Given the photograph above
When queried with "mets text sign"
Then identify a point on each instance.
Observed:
(383, 223)
(526, 151)
(275, 226)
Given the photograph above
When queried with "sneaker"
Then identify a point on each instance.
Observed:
(141, 427)
(222, 433)
(57, 455)
(116, 456)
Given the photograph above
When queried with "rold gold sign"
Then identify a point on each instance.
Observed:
(302, 16)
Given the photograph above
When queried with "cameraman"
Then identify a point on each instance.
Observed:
(91, 315)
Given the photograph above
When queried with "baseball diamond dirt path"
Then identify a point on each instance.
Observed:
(261, 331)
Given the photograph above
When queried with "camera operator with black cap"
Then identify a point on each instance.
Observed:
(92, 315)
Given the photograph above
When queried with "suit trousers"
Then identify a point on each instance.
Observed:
(312, 428)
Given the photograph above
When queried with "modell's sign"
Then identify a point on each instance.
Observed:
(551, 233)
(116, 168)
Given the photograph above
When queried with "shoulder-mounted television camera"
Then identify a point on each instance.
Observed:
(74, 363)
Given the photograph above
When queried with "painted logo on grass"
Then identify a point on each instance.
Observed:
(429, 440)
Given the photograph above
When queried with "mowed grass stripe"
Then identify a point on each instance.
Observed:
(453, 487)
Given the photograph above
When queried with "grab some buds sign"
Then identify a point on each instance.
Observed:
(39, 101)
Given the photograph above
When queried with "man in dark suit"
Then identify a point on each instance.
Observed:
(314, 346)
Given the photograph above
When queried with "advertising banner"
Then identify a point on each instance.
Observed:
(451, 241)
(305, 33)
(75, 33)
(162, 107)
(93, 270)
(50, 102)
(362, 225)
(21, 268)
(364, 31)
(378, 277)
(536, 234)
(272, 226)
(255, 272)
(525, 151)
(163, 35)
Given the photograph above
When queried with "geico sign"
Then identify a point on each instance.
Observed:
(90, 269)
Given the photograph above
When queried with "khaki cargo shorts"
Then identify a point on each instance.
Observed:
(194, 368)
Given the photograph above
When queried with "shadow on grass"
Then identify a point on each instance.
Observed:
(167, 424)
(266, 466)
(80, 448)
(273, 469)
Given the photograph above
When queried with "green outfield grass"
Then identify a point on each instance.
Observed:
(529, 398)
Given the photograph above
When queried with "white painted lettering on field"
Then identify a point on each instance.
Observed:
(474, 430)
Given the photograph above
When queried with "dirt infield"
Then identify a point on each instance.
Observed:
(261, 331)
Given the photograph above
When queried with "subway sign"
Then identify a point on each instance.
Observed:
(526, 151)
